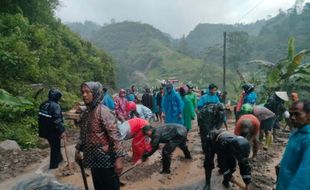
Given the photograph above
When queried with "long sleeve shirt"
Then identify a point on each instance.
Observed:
(295, 165)
(99, 138)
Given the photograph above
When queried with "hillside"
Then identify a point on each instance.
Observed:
(207, 35)
(271, 42)
(38, 52)
(144, 54)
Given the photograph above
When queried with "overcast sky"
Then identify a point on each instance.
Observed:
(176, 17)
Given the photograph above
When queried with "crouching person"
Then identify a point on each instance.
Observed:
(230, 149)
(132, 129)
(172, 135)
(99, 140)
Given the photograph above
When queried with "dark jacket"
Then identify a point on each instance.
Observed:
(226, 145)
(50, 116)
(165, 134)
(147, 100)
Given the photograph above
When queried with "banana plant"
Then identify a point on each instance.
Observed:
(289, 73)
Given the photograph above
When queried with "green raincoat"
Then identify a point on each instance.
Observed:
(188, 112)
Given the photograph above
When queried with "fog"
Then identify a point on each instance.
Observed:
(176, 17)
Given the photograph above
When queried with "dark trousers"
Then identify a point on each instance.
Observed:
(55, 155)
(227, 164)
(105, 179)
(168, 149)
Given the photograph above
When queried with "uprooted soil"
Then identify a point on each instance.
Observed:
(13, 162)
(186, 174)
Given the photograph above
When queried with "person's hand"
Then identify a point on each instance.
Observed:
(163, 115)
(63, 135)
(118, 165)
(138, 162)
(78, 157)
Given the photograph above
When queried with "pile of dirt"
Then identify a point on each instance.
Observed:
(263, 168)
(13, 162)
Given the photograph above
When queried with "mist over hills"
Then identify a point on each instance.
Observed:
(144, 53)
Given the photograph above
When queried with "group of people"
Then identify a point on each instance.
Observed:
(106, 122)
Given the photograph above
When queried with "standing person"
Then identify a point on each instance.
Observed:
(173, 135)
(132, 129)
(159, 103)
(295, 165)
(189, 111)
(99, 140)
(155, 105)
(192, 95)
(229, 149)
(120, 106)
(248, 96)
(107, 99)
(129, 95)
(51, 126)
(248, 126)
(147, 99)
(210, 117)
(209, 97)
(172, 105)
(294, 96)
(266, 118)
(138, 110)
(135, 93)
(275, 103)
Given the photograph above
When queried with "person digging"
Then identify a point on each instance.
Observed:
(229, 149)
(172, 135)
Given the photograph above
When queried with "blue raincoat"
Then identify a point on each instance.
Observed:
(208, 99)
(250, 98)
(108, 101)
(172, 106)
(295, 165)
(130, 97)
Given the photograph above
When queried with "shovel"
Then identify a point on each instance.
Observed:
(83, 174)
(129, 169)
(67, 157)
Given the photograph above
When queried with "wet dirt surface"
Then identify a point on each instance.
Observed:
(186, 175)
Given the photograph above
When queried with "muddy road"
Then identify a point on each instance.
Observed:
(186, 174)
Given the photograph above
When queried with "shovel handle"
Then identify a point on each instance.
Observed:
(129, 169)
(66, 153)
(83, 174)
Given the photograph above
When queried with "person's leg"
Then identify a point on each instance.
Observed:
(105, 178)
(268, 125)
(166, 156)
(55, 155)
(184, 148)
(229, 163)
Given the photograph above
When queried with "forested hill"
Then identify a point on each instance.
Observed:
(265, 39)
(36, 48)
(271, 42)
(144, 54)
(38, 52)
(207, 35)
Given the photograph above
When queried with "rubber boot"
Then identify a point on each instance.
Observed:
(208, 174)
(268, 141)
(187, 154)
(166, 166)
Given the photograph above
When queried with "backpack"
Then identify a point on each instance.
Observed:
(45, 120)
